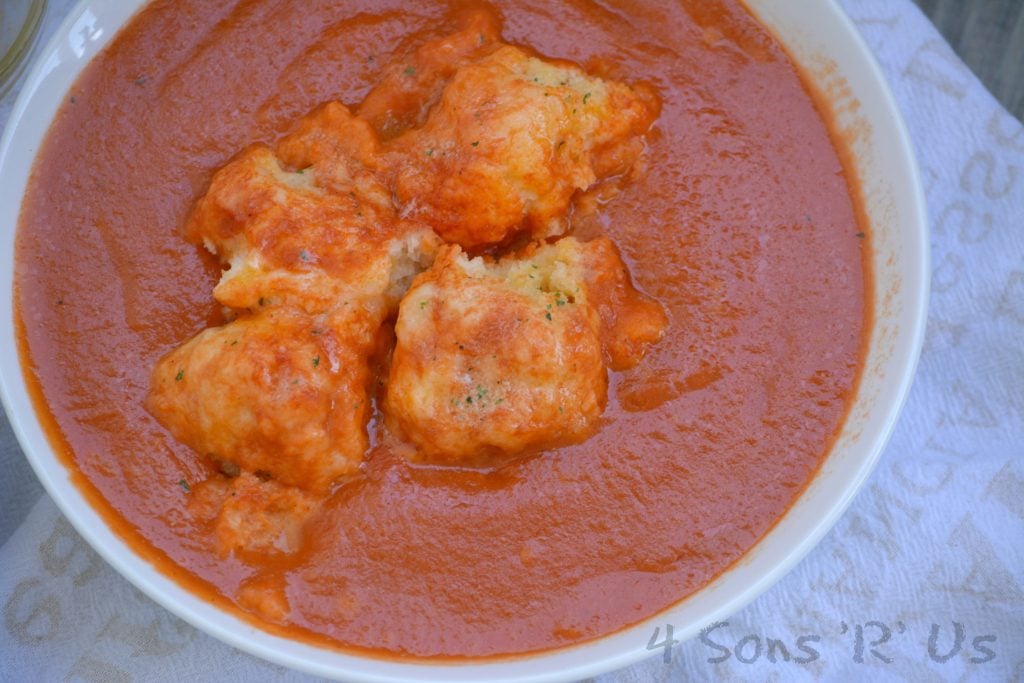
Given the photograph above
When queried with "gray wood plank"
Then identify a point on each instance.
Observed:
(989, 36)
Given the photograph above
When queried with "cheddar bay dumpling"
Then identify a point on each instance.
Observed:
(252, 514)
(289, 240)
(280, 393)
(510, 141)
(498, 357)
(341, 149)
(414, 80)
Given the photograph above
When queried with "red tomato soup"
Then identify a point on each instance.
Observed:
(743, 225)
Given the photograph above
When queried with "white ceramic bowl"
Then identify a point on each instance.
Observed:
(822, 39)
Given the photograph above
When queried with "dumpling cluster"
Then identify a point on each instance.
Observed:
(467, 145)
(313, 272)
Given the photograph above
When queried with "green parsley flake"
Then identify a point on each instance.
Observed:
(430, 152)
(410, 71)
(316, 362)
(184, 486)
(586, 97)
(476, 143)
(180, 376)
(548, 315)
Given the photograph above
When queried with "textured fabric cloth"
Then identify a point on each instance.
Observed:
(922, 579)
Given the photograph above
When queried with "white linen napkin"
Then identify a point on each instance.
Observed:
(922, 579)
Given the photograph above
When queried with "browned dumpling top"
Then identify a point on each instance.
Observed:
(279, 392)
(500, 357)
(511, 140)
(412, 83)
(288, 240)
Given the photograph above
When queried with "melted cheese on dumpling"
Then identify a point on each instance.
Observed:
(512, 138)
(496, 358)
(280, 392)
(289, 241)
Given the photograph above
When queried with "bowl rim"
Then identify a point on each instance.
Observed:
(241, 635)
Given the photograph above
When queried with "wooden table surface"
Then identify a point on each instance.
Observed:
(989, 36)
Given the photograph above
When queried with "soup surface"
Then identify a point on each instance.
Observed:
(741, 225)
